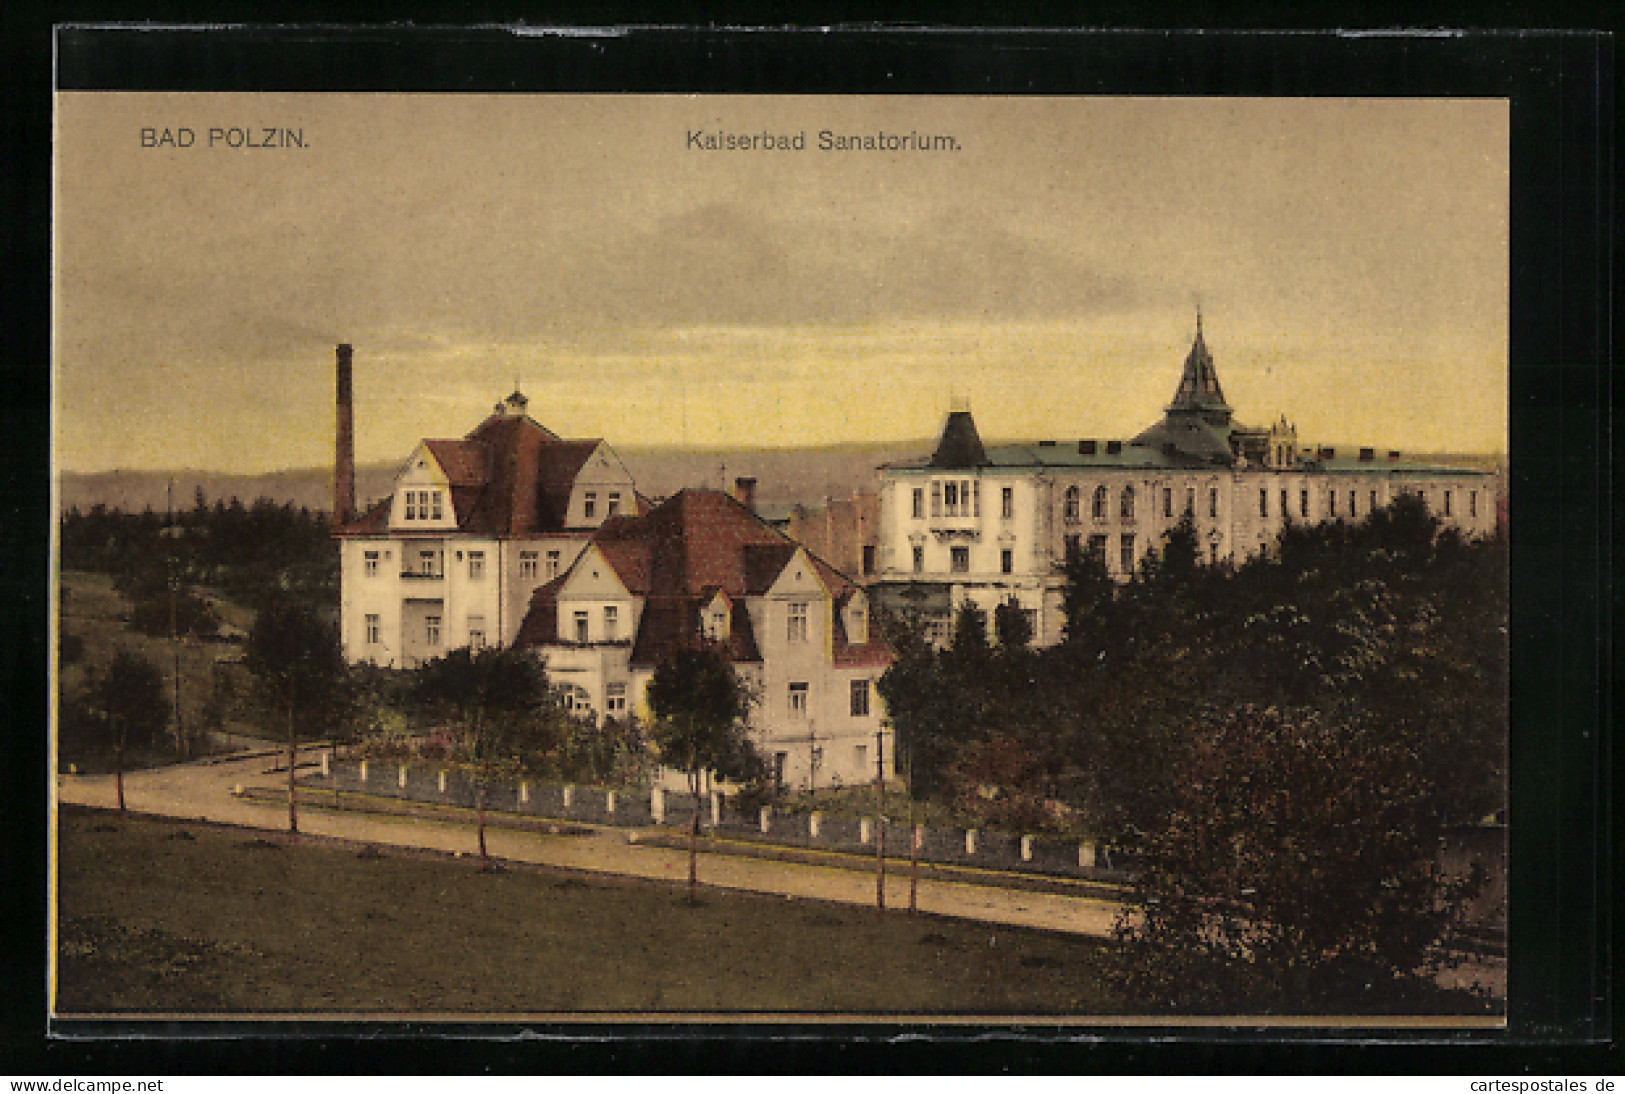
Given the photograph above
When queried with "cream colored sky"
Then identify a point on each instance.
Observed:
(1350, 257)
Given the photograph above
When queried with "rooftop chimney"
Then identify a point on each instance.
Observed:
(745, 492)
(344, 443)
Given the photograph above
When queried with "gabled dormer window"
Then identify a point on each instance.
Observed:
(857, 623)
(423, 505)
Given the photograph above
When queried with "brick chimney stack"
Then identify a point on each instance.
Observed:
(344, 443)
(745, 492)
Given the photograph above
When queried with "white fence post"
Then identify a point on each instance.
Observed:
(609, 801)
(400, 778)
(970, 841)
(657, 805)
(866, 830)
(1086, 855)
(442, 782)
(765, 819)
(524, 793)
(1026, 848)
(327, 769)
(716, 809)
(813, 823)
(363, 770)
(569, 795)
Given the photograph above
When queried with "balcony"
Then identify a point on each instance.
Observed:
(420, 575)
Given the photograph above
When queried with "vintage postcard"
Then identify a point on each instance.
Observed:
(676, 558)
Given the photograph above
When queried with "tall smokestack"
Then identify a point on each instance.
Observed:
(344, 444)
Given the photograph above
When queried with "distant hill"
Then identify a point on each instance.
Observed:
(785, 476)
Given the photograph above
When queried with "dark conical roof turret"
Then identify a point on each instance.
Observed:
(960, 445)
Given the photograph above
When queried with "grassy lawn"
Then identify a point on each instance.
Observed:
(159, 916)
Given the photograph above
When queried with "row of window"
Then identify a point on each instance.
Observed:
(428, 564)
(431, 631)
(800, 692)
(959, 560)
(612, 624)
(1353, 503)
(590, 504)
(961, 498)
(423, 505)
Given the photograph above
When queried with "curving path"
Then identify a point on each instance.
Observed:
(206, 791)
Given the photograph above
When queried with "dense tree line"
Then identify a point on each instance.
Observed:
(1393, 626)
(255, 554)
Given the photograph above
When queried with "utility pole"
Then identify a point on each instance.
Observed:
(913, 842)
(174, 638)
(880, 821)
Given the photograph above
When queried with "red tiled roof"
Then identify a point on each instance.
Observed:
(509, 477)
(541, 622)
(680, 555)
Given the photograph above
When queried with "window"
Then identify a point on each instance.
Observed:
(476, 565)
(615, 698)
(919, 560)
(527, 566)
(552, 565)
(426, 563)
(976, 498)
(1125, 553)
(1373, 508)
(716, 624)
(950, 498)
(1071, 503)
(1190, 501)
(370, 563)
(614, 504)
(796, 631)
(1331, 503)
(435, 495)
(1285, 512)
(1098, 508)
(1031, 616)
(612, 620)
(860, 757)
(1007, 503)
(1167, 501)
(411, 505)
(1263, 503)
(936, 499)
(779, 760)
(919, 503)
(374, 630)
(581, 626)
(1007, 561)
(1097, 547)
(431, 630)
(1213, 501)
(798, 702)
(1447, 503)
(959, 559)
(868, 559)
(476, 632)
(1353, 494)
(1472, 503)
(860, 625)
(860, 698)
(1072, 544)
(590, 505)
(1125, 508)
(1303, 502)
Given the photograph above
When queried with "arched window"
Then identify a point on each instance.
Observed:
(1099, 511)
(1071, 503)
(1126, 507)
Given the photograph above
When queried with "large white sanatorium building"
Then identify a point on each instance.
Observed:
(991, 524)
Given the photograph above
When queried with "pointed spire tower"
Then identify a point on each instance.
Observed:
(1196, 425)
(1199, 392)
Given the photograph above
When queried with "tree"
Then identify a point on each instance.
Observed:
(1297, 870)
(1011, 626)
(130, 698)
(699, 706)
(297, 660)
(492, 695)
